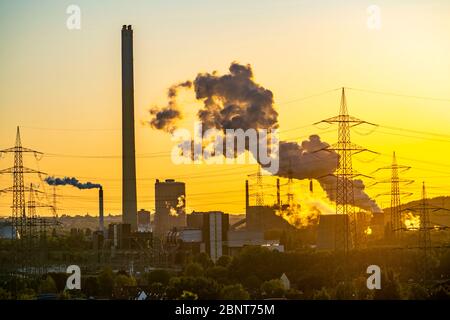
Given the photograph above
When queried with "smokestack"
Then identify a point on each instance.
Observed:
(129, 203)
(101, 224)
(246, 196)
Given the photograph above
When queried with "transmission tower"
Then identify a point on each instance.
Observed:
(259, 188)
(424, 208)
(290, 191)
(396, 227)
(346, 235)
(18, 189)
(24, 226)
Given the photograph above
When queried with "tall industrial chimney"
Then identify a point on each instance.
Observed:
(101, 223)
(129, 205)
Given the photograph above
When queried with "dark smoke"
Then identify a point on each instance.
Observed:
(72, 182)
(166, 118)
(235, 101)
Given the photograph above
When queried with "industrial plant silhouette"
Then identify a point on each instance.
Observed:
(280, 247)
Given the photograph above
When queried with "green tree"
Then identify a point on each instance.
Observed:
(26, 294)
(345, 291)
(122, 280)
(224, 261)
(4, 294)
(106, 282)
(204, 260)
(272, 289)
(91, 286)
(161, 276)
(234, 292)
(417, 292)
(193, 270)
(390, 287)
(218, 273)
(187, 295)
(321, 294)
(47, 285)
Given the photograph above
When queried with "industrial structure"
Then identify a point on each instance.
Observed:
(346, 234)
(129, 197)
(395, 223)
(170, 206)
(27, 227)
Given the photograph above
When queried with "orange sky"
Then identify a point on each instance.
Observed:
(63, 87)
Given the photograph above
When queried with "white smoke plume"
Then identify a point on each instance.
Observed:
(236, 101)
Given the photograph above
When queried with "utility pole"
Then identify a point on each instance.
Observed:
(346, 235)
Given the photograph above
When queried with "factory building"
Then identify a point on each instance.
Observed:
(170, 206)
(264, 218)
(210, 232)
(329, 225)
(144, 221)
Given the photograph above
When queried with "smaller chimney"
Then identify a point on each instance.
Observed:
(101, 224)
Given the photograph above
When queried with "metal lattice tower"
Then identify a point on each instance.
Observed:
(424, 208)
(395, 198)
(424, 234)
(18, 216)
(396, 226)
(290, 191)
(259, 188)
(25, 227)
(346, 235)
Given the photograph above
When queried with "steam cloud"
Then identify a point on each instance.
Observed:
(166, 118)
(236, 101)
(72, 182)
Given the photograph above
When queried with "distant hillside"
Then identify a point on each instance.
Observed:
(437, 217)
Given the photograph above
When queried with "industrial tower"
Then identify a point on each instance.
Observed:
(18, 216)
(346, 235)
(129, 202)
(396, 227)
(424, 208)
(28, 229)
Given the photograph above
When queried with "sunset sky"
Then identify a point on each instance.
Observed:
(63, 87)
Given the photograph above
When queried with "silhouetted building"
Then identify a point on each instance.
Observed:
(327, 233)
(215, 233)
(120, 235)
(170, 206)
(144, 220)
(264, 218)
(129, 203)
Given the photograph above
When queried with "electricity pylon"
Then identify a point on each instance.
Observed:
(396, 227)
(259, 188)
(346, 235)
(25, 227)
(424, 208)
(18, 216)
